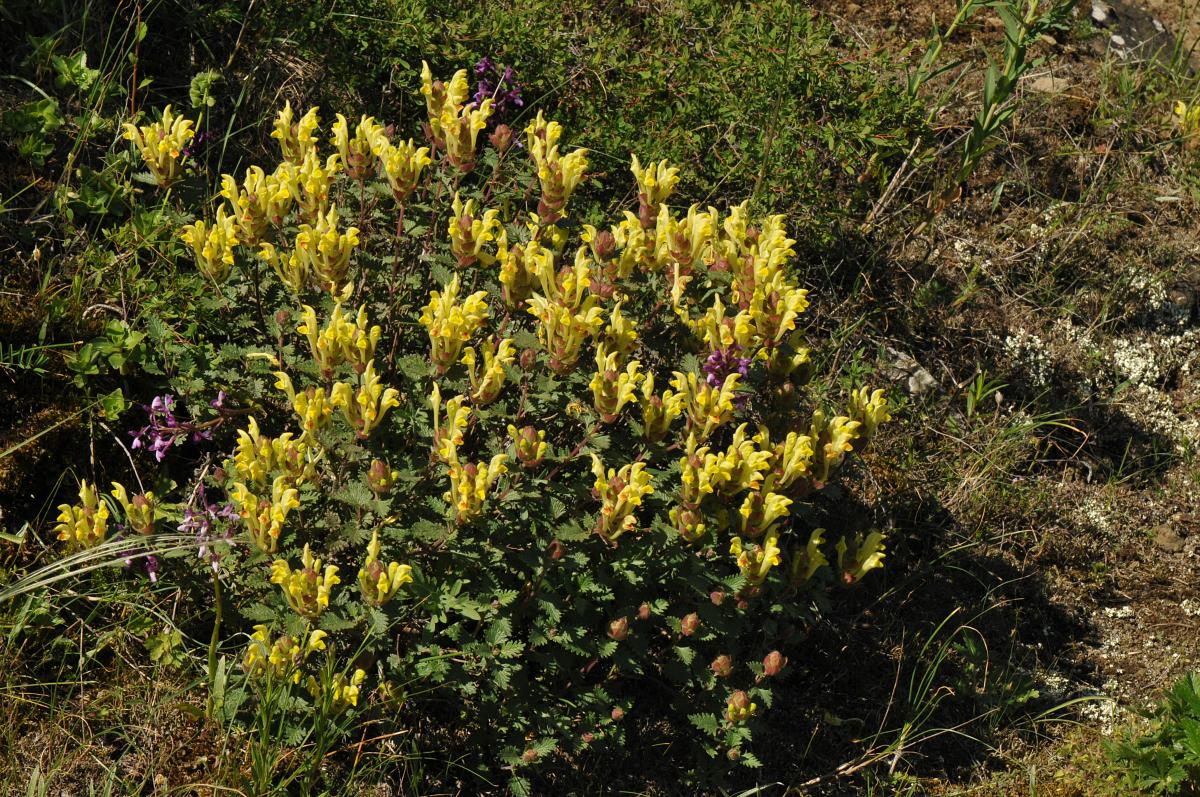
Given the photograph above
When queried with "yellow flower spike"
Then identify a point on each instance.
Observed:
(657, 180)
(739, 707)
(707, 407)
(326, 251)
(255, 456)
(313, 179)
(558, 175)
(448, 437)
(469, 485)
(869, 409)
(620, 335)
(620, 492)
(755, 561)
(700, 472)
(161, 144)
(341, 340)
(312, 406)
(487, 381)
(296, 139)
(720, 332)
(834, 438)
(469, 234)
(658, 412)
(308, 589)
(520, 268)
(290, 267)
(859, 558)
(760, 512)
(262, 517)
(462, 133)
(280, 658)
(450, 323)
(791, 459)
(85, 524)
(808, 560)
(443, 101)
(380, 582)
(689, 522)
(636, 247)
(563, 330)
(358, 153)
(365, 408)
(1187, 117)
(213, 246)
(139, 511)
(316, 641)
(344, 692)
(613, 388)
(254, 663)
(745, 463)
(403, 164)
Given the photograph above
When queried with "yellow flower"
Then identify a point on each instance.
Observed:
(139, 512)
(487, 381)
(311, 406)
(519, 270)
(791, 459)
(557, 175)
(655, 181)
(469, 485)
(707, 407)
(620, 492)
(755, 561)
(262, 200)
(450, 323)
(448, 436)
(468, 234)
(341, 341)
(658, 412)
(700, 472)
(290, 267)
(530, 445)
(161, 144)
(85, 524)
(1188, 117)
(344, 692)
(358, 152)
(296, 139)
(870, 409)
(365, 408)
(263, 517)
(613, 388)
(402, 165)
(744, 462)
(620, 335)
(213, 246)
(760, 513)
(682, 242)
(809, 560)
(281, 658)
(313, 179)
(443, 100)
(306, 590)
(834, 439)
(860, 557)
(326, 251)
(380, 582)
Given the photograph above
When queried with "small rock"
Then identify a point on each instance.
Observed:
(1190, 607)
(1050, 85)
(1118, 40)
(1100, 12)
(1158, 26)
(1167, 538)
(903, 366)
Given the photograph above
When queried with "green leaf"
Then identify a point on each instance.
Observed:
(705, 722)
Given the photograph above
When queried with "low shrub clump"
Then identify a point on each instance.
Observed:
(570, 486)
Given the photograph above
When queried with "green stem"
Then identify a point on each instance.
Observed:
(212, 645)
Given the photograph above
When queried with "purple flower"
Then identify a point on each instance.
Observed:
(197, 144)
(165, 430)
(499, 86)
(722, 363)
(204, 522)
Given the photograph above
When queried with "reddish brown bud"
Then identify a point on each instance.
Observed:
(739, 700)
(722, 666)
(619, 629)
(501, 138)
(606, 245)
(219, 475)
(717, 597)
(644, 611)
(379, 477)
(529, 756)
(773, 663)
(690, 624)
(528, 359)
(281, 317)
(618, 714)
(588, 737)
(734, 754)
(556, 550)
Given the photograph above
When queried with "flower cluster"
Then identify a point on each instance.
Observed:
(498, 85)
(161, 144)
(453, 124)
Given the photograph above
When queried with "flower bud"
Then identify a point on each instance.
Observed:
(556, 550)
(690, 624)
(381, 478)
(734, 754)
(717, 597)
(501, 138)
(773, 663)
(588, 737)
(722, 666)
(529, 756)
(606, 245)
(281, 317)
(528, 359)
(644, 611)
(619, 629)
(219, 475)
(618, 714)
